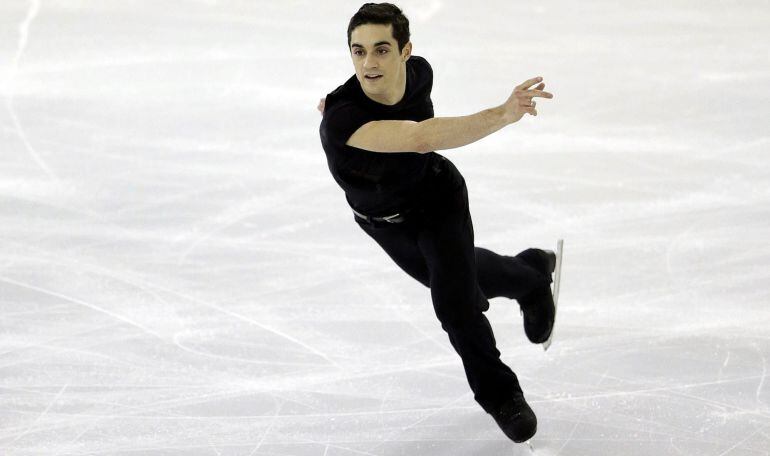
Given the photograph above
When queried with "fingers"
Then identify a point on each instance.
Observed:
(525, 94)
(538, 93)
(530, 107)
(529, 83)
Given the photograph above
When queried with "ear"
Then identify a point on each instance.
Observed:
(406, 52)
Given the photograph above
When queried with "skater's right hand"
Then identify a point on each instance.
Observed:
(520, 102)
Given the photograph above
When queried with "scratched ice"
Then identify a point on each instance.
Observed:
(179, 274)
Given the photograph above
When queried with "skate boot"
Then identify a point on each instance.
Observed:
(516, 418)
(537, 306)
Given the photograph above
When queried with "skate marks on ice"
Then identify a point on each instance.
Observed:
(652, 393)
(23, 28)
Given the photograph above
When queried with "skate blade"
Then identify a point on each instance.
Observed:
(530, 447)
(555, 290)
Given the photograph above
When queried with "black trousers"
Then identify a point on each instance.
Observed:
(435, 246)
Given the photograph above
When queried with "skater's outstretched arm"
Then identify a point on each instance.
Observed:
(440, 133)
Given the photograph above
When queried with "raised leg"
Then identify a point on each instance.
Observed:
(507, 276)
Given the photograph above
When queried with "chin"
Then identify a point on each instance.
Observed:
(372, 90)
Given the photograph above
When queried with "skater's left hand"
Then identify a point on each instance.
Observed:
(321, 105)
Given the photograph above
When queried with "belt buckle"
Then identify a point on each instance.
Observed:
(390, 218)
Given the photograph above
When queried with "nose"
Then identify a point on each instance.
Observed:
(370, 61)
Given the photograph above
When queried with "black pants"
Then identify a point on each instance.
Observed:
(435, 246)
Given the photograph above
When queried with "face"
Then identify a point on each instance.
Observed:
(380, 68)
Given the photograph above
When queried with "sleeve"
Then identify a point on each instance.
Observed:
(340, 122)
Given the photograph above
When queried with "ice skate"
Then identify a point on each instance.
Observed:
(539, 306)
(516, 419)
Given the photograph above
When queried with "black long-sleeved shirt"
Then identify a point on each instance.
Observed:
(378, 183)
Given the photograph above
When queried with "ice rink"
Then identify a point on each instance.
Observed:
(180, 274)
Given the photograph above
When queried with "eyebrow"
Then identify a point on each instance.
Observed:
(379, 43)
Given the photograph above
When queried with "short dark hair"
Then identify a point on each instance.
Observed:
(385, 14)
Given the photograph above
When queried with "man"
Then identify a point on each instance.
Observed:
(380, 137)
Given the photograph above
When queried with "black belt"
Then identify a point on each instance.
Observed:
(395, 218)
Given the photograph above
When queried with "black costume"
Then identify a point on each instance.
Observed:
(431, 238)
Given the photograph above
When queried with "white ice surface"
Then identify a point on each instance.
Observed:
(180, 275)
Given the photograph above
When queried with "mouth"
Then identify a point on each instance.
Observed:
(372, 77)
